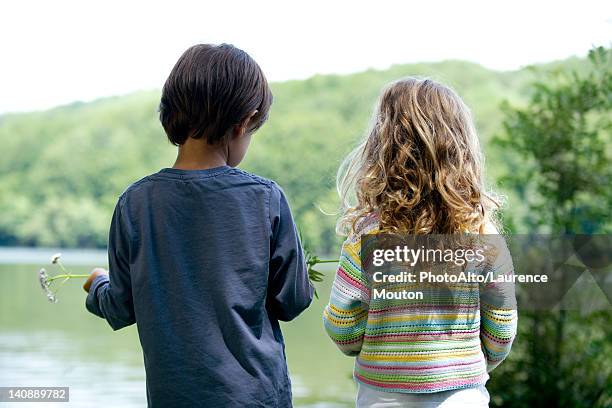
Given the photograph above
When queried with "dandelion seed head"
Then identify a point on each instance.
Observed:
(42, 278)
(45, 284)
(56, 258)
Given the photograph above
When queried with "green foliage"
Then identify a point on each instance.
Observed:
(533, 376)
(561, 139)
(314, 275)
(63, 169)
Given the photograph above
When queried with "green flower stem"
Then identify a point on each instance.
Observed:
(62, 268)
(326, 261)
(61, 284)
(66, 276)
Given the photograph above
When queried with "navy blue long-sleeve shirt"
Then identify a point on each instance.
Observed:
(206, 262)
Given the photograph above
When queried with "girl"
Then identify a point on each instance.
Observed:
(418, 172)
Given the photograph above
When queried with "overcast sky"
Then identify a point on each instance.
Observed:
(57, 52)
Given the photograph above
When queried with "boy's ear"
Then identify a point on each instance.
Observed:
(241, 128)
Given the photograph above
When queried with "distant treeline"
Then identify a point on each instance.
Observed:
(63, 169)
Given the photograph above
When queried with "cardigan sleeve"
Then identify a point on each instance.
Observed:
(345, 316)
(498, 310)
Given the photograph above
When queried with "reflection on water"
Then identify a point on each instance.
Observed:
(44, 344)
(46, 359)
(35, 256)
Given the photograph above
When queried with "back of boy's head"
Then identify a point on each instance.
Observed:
(211, 89)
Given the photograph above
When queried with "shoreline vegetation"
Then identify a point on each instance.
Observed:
(52, 192)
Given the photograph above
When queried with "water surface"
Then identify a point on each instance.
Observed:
(61, 344)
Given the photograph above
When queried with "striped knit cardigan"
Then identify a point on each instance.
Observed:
(412, 347)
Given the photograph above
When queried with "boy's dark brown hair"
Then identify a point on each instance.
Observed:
(210, 89)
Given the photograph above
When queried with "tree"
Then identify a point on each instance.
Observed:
(561, 140)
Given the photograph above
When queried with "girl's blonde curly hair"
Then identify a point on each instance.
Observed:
(420, 169)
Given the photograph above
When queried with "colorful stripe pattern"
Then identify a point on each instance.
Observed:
(412, 346)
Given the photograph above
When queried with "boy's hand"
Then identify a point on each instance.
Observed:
(94, 274)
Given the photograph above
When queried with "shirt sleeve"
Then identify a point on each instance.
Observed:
(498, 309)
(346, 315)
(111, 297)
(290, 291)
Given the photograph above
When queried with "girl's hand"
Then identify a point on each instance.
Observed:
(94, 274)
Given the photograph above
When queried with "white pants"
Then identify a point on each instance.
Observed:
(476, 397)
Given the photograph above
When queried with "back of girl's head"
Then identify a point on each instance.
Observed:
(420, 168)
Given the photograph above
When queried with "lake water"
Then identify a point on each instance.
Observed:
(61, 344)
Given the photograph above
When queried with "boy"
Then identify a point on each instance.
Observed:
(204, 257)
